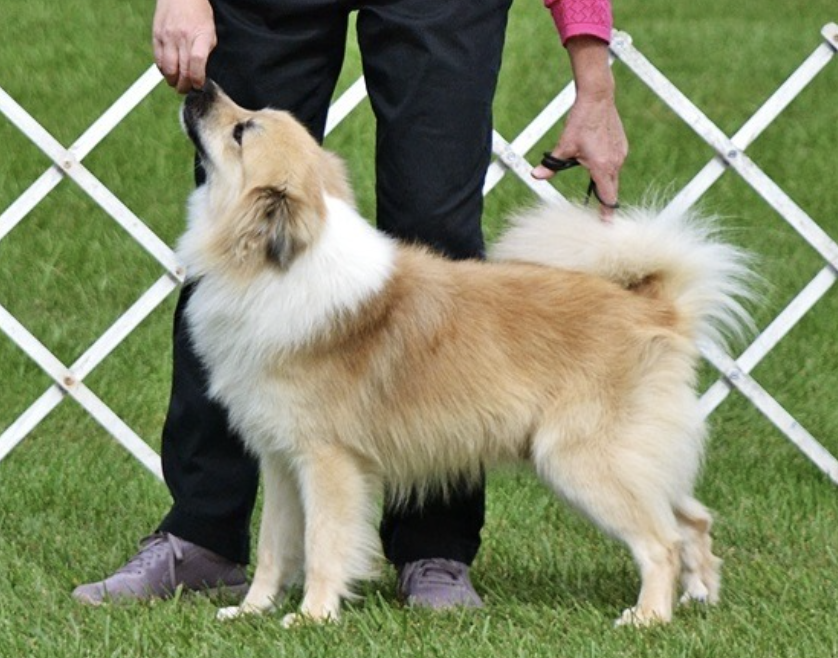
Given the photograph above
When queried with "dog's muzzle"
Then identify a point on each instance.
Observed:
(199, 101)
(196, 106)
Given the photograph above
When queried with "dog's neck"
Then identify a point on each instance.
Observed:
(350, 262)
(346, 267)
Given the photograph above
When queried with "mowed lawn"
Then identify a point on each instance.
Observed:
(73, 504)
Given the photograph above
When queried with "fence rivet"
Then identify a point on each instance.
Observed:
(69, 381)
(732, 154)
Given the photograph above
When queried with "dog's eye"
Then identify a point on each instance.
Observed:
(238, 131)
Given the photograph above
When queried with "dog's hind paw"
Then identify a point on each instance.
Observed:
(695, 591)
(699, 591)
(695, 596)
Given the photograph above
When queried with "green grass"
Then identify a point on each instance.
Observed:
(73, 504)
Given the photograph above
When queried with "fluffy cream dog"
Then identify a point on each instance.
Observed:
(348, 360)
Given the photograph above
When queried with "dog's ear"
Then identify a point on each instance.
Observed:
(277, 227)
(281, 245)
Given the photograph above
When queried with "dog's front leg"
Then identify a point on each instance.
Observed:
(280, 552)
(340, 542)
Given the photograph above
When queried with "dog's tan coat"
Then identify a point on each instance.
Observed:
(348, 361)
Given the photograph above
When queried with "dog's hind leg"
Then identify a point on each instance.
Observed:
(280, 551)
(620, 494)
(341, 544)
(656, 555)
(700, 569)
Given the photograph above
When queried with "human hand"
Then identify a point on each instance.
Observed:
(593, 133)
(184, 35)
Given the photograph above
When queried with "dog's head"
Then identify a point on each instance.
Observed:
(266, 180)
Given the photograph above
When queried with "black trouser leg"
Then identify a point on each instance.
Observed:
(431, 68)
(286, 55)
(212, 480)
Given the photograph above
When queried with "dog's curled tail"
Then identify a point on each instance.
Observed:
(675, 256)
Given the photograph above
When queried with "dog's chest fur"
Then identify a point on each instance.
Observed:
(245, 332)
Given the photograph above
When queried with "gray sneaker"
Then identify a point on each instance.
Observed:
(438, 584)
(164, 563)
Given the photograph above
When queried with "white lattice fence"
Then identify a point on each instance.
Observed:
(510, 159)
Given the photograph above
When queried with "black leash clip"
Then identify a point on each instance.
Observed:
(558, 164)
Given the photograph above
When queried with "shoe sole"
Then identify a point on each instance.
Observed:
(232, 592)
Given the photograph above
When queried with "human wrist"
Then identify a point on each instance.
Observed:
(591, 70)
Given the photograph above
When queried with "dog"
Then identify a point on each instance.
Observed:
(349, 362)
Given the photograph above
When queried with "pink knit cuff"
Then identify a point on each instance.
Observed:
(582, 17)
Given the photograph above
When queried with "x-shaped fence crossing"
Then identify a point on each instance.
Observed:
(510, 158)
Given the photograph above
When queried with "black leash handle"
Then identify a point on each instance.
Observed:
(559, 164)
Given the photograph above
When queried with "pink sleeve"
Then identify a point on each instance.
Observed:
(578, 17)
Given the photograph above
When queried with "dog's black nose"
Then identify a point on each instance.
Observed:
(198, 101)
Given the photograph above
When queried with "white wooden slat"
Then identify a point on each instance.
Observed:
(534, 131)
(27, 124)
(732, 155)
(120, 330)
(112, 205)
(124, 325)
(119, 430)
(71, 166)
(117, 112)
(80, 148)
(34, 348)
(24, 204)
(29, 420)
(348, 101)
(771, 336)
(772, 410)
(70, 384)
(518, 164)
(66, 162)
(753, 128)
(784, 95)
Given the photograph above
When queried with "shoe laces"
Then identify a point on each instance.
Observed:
(156, 547)
(435, 571)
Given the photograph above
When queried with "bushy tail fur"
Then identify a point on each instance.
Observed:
(706, 279)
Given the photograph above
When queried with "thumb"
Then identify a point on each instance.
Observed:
(542, 173)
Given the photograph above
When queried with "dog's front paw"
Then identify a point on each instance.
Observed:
(638, 618)
(237, 611)
(229, 613)
(300, 618)
(293, 619)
